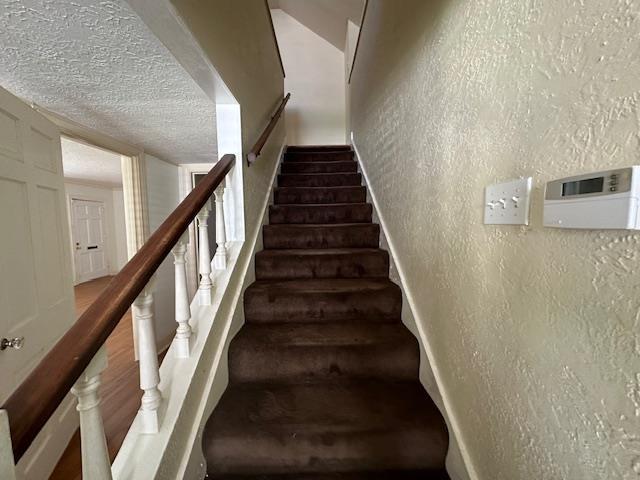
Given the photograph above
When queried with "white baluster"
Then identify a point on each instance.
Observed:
(220, 258)
(93, 444)
(148, 359)
(183, 311)
(7, 466)
(204, 257)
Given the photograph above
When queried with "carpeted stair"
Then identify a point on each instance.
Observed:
(323, 375)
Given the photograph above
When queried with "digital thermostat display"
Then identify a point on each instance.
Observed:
(580, 187)
(597, 200)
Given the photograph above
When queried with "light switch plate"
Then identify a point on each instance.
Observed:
(508, 203)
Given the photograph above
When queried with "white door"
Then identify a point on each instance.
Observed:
(88, 230)
(36, 284)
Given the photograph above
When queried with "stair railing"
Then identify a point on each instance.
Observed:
(77, 360)
(257, 148)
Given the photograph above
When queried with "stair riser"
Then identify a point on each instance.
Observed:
(320, 195)
(277, 307)
(355, 265)
(322, 214)
(292, 237)
(320, 180)
(323, 363)
(382, 450)
(319, 167)
(329, 156)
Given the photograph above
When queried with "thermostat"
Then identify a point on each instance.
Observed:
(601, 200)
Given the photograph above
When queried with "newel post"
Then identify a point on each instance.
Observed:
(93, 444)
(220, 258)
(204, 257)
(183, 310)
(148, 359)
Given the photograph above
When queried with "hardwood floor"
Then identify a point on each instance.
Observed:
(120, 386)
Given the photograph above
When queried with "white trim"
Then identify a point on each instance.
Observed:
(423, 339)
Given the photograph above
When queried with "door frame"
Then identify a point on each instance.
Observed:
(134, 185)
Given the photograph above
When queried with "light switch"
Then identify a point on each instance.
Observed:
(508, 203)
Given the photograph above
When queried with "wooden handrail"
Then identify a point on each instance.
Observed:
(257, 148)
(35, 400)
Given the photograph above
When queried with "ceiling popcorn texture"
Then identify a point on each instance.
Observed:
(96, 63)
(90, 164)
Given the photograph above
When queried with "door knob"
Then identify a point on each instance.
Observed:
(15, 343)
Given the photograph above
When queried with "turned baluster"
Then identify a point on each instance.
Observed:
(220, 258)
(93, 444)
(148, 359)
(204, 257)
(183, 311)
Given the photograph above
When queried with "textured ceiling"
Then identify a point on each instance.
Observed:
(95, 62)
(90, 164)
(327, 18)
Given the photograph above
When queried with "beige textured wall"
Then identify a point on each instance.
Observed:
(534, 331)
(238, 39)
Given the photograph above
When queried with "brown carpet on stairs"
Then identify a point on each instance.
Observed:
(323, 375)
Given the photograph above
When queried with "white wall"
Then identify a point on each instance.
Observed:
(163, 197)
(533, 331)
(114, 215)
(314, 70)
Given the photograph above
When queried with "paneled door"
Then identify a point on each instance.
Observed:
(36, 283)
(88, 230)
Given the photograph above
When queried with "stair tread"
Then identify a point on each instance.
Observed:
(325, 427)
(321, 213)
(320, 251)
(339, 406)
(322, 285)
(319, 195)
(395, 475)
(321, 148)
(311, 226)
(319, 179)
(326, 334)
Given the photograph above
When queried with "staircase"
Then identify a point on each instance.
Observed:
(323, 375)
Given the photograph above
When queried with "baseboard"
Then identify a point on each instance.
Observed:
(459, 462)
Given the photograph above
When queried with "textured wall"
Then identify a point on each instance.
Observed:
(239, 42)
(534, 331)
(315, 115)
